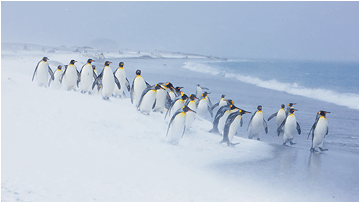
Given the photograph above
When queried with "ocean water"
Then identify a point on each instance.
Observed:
(336, 82)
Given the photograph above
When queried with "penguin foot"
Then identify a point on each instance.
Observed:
(258, 139)
(232, 144)
(321, 149)
(292, 143)
(83, 92)
(313, 150)
(105, 98)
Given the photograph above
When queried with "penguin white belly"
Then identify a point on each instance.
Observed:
(190, 116)
(56, 83)
(139, 87)
(178, 104)
(121, 76)
(222, 121)
(176, 128)
(256, 125)
(289, 128)
(280, 117)
(108, 82)
(86, 78)
(202, 108)
(320, 132)
(234, 126)
(71, 77)
(160, 100)
(222, 103)
(172, 95)
(42, 75)
(148, 101)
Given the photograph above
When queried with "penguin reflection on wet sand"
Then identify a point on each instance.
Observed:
(42, 72)
(233, 122)
(107, 81)
(257, 121)
(318, 131)
(176, 127)
(289, 126)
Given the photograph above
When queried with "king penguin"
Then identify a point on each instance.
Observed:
(318, 131)
(190, 116)
(204, 106)
(41, 71)
(138, 86)
(178, 92)
(233, 122)
(147, 98)
(71, 76)
(56, 82)
(176, 104)
(124, 82)
(176, 127)
(221, 103)
(162, 98)
(290, 105)
(200, 90)
(289, 126)
(280, 115)
(220, 113)
(87, 77)
(257, 121)
(107, 79)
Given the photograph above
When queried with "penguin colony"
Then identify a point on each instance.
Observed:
(181, 108)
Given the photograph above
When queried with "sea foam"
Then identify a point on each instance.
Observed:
(350, 100)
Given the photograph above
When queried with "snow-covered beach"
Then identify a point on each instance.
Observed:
(66, 146)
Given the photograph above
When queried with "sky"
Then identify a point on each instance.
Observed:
(275, 30)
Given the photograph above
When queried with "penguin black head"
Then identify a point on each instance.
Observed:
(186, 109)
(177, 89)
(184, 97)
(242, 112)
(169, 85)
(223, 96)
(90, 60)
(291, 104)
(259, 108)
(121, 64)
(229, 101)
(282, 106)
(45, 58)
(205, 94)
(323, 113)
(72, 62)
(66, 66)
(59, 67)
(292, 110)
(107, 63)
(138, 72)
(193, 96)
(158, 86)
(94, 67)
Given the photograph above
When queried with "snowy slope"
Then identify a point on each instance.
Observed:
(67, 146)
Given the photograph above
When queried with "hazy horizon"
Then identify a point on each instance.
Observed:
(275, 30)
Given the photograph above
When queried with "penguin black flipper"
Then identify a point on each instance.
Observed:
(98, 79)
(51, 73)
(147, 84)
(279, 129)
(228, 122)
(272, 116)
(265, 126)
(142, 95)
(251, 120)
(210, 111)
(35, 71)
(214, 106)
(218, 115)
(171, 120)
(210, 104)
(298, 128)
(94, 75)
(127, 83)
(132, 91)
(312, 129)
(78, 80)
(117, 82)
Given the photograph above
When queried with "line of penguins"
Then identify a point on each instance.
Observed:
(177, 106)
